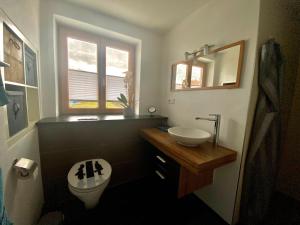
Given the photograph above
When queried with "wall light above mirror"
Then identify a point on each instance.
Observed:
(219, 69)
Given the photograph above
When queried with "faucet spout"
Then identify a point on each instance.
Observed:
(216, 118)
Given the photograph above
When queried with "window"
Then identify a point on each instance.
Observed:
(93, 72)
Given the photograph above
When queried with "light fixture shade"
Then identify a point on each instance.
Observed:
(205, 50)
(186, 56)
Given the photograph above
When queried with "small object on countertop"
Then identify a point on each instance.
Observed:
(152, 110)
(127, 107)
(164, 128)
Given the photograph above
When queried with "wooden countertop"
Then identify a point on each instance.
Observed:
(196, 159)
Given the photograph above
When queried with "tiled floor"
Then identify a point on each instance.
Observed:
(141, 204)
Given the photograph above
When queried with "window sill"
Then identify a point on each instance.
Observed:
(95, 118)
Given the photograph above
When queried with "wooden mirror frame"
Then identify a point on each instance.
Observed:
(189, 63)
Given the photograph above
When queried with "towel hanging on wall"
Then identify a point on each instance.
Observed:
(3, 96)
(261, 165)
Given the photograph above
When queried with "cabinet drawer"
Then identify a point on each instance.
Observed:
(165, 172)
(165, 182)
(164, 162)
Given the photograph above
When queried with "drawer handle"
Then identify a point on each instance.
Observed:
(160, 159)
(160, 175)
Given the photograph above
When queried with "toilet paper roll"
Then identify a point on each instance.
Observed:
(25, 168)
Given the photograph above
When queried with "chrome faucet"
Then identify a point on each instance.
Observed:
(217, 119)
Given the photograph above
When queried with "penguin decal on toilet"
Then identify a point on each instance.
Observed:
(89, 170)
(88, 179)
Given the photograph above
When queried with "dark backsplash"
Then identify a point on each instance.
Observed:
(63, 143)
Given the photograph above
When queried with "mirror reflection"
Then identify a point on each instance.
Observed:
(221, 68)
(181, 76)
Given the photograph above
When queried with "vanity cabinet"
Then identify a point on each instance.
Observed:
(173, 178)
(183, 170)
(166, 171)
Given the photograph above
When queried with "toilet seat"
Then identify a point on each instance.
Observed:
(89, 184)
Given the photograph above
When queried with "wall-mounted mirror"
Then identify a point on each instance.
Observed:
(220, 69)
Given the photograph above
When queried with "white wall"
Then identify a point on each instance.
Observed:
(150, 51)
(219, 22)
(226, 66)
(23, 199)
(25, 14)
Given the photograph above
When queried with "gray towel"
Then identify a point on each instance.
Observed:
(262, 157)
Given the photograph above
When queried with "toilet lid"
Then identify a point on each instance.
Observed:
(89, 174)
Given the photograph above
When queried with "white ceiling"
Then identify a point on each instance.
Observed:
(160, 15)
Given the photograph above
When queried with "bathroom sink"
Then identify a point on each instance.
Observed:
(190, 137)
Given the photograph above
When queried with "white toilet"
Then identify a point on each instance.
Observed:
(86, 183)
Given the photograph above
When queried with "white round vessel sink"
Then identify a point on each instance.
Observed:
(190, 137)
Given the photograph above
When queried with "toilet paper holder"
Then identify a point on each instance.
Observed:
(24, 167)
